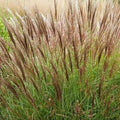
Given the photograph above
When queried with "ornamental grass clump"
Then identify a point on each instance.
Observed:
(62, 66)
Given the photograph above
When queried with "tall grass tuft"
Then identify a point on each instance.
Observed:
(62, 66)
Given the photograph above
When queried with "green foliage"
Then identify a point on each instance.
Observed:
(3, 30)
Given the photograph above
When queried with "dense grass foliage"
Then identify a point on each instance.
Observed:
(62, 66)
(3, 30)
